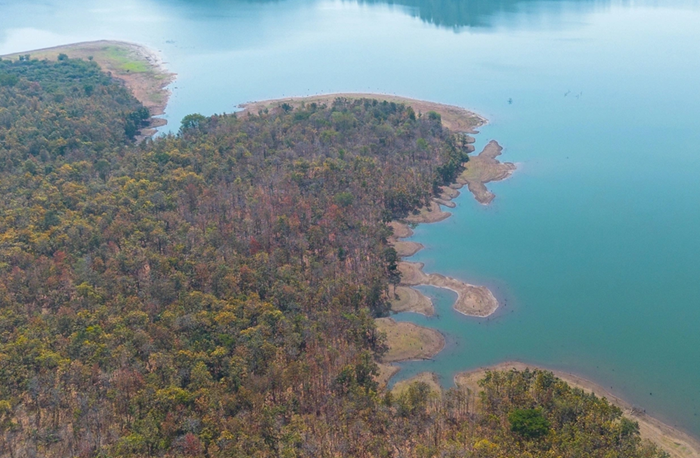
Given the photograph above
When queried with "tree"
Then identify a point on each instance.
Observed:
(528, 423)
(192, 122)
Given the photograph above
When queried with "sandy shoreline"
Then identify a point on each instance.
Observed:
(472, 300)
(406, 342)
(141, 69)
(483, 169)
(677, 443)
(410, 341)
(454, 118)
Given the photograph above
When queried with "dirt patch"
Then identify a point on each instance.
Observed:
(407, 249)
(448, 193)
(444, 203)
(410, 300)
(454, 118)
(386, 371)
(408, 341)
(471, 300)
(483, 169)
(677, 443)
(430, 214)
(401, 230)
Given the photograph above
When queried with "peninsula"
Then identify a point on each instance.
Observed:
(141, 69)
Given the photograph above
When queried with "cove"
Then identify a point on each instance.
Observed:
(593, 241)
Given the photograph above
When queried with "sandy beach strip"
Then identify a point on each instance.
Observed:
(454, 118)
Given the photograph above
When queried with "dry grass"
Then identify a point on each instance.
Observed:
(406, 249)
(410, 300)
(401, 230)
(407, 341)
(431, 214)
(386, 371)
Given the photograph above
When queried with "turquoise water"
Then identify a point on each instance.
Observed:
(594, 242)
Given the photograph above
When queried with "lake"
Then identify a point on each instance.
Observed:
(593, 245)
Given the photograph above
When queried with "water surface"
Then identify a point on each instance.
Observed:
(593, 242)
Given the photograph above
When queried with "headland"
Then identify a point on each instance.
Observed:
(141, 69)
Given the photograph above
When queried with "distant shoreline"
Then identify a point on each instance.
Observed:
(454, 118)
(141, 69)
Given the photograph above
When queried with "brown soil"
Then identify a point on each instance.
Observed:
(411, 300)
(407, 341)
(448, 193)
(401, 230)
(386, 371)
(677, 443)
(454, 118)
(446, 203)
(407, 249)
(483, 169)
(471, 300)
(430, 214)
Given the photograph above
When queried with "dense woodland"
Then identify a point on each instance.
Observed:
(212, 293)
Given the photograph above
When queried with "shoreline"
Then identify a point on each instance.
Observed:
(417, 342)
(676, 442)
(406, 342)
(485, 168)
(454, 118)
(140, 68)
(472, 300)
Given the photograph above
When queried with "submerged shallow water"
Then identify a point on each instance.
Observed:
(593, 244)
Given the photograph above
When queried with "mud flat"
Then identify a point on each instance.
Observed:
(485, 168)
(471, 300)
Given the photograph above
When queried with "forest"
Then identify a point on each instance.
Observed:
(212, 293)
